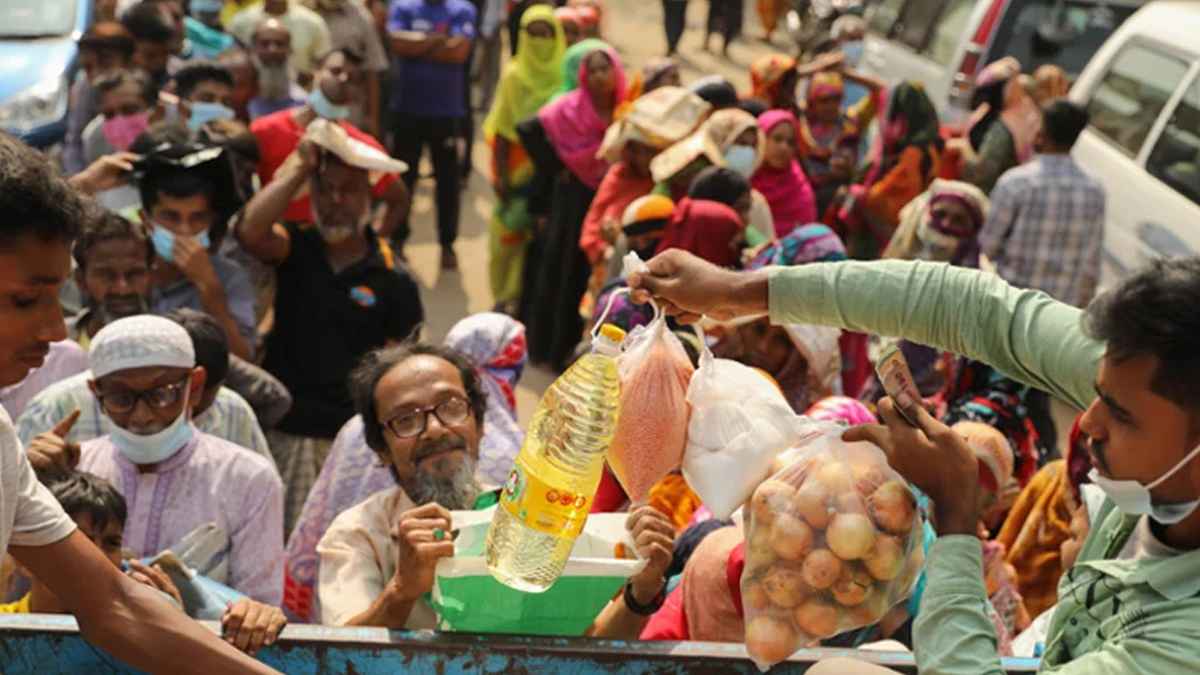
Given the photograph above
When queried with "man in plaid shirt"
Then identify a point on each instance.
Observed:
(1045, 229)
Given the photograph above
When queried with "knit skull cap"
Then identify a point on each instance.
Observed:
(140, 341)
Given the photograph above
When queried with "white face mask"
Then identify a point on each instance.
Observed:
(156, 447)
(1133, 498)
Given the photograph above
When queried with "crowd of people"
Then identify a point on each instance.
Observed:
(241, 389)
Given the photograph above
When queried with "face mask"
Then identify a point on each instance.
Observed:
(164, 241)
(542, 48)
(326, 108)
(156, 447)
(853, 51)
(202, 113)
(1133, 498)
(121, 130)
(742, 159)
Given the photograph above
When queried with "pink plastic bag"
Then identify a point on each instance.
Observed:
(653, 417)
(834, 541)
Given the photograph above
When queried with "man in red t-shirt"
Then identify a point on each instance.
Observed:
(339, 74)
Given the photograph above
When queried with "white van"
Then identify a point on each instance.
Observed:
(1142, 90)
(944, 43)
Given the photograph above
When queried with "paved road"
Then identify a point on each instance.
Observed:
(634, 27)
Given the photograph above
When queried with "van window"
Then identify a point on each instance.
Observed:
(917, 19)
(1082, 29)
(1175, 159)
(1133, 94)
(948, 33)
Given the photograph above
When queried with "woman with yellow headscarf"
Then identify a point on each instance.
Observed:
(530, 79)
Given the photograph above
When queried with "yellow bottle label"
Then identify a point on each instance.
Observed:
(542, 506)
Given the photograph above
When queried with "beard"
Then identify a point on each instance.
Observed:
(120, 308)
(456, 491)
(274, 81)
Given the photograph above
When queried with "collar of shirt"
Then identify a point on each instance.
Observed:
(379, 253)
(1172, 577)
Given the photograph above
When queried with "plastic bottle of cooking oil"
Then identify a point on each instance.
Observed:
(548, 495)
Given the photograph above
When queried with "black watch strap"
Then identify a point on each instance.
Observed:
(644, 610)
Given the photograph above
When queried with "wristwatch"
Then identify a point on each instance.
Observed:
(645, 610)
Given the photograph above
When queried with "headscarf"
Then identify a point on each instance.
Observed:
(659, 119)
(1036, 526)
(716, 90)
(787, 190)
(822, 367)
(1001, 96)
(529, 80)
(572, 124)
(766, 73)
(841, 409)
(910, 103)
(705, 228)
(572, 63)
(622, 312)
(977, 392)
(567, 15)
(710, 142)
(918, 238)
(495, 344)
(825, 83)
(710, 580)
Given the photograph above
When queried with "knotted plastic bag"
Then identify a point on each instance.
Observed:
(740, 422)
(654, 412)
(833, 542)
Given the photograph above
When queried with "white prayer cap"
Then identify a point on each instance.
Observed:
(140, 341)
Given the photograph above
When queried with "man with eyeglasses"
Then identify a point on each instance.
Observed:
(340, 292)
(174, 477)
(422, 409)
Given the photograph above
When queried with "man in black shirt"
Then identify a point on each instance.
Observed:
(340, 292)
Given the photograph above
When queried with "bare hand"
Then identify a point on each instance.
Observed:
(51, 451)
(610, 230)
(193, 260)
(654, 536)
(421, 548)
(106, 173)
(155, 578)
(250, 625)
(689, 287)
(934, 458)
(309, 154)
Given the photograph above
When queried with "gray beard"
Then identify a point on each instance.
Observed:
(274, 82)
(456, 492)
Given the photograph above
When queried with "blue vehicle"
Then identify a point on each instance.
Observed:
(38, 60)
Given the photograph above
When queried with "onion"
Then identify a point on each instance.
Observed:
(821, 569)
(812, 502)
(791, 537)
(852, 586)
(850, 535)
(886, 558)
(817, 617)
(835, 476)
(770, 640)
(784, 586)
(759, 550)
(754, 596)
(869, 611)
(893, 507)
(850, 502)
(770, 498)
(868, 475)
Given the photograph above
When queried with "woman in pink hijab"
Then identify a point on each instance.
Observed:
(780, 178)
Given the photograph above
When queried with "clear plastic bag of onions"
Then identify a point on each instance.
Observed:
(833, 541)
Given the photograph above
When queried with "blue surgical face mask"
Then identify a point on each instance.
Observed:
(324, 107)
(742, 159)
(164, 241)
(156, 447)
(1133, 498)
(203, 112)
(853, 51)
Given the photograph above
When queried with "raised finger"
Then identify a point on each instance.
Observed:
(64, 425)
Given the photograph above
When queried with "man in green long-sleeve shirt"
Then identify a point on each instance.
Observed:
(1131, 603)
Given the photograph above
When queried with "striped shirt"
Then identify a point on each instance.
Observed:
(1045, 228)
